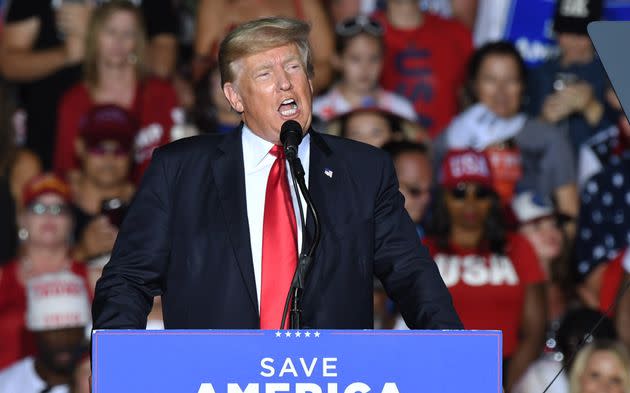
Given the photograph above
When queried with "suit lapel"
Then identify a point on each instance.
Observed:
(229, 174)
(324, 181)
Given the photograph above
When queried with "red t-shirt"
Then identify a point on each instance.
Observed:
(153, 105)
(488, 290)
(16, 342)
(428, 66)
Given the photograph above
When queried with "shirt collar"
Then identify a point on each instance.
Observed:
(256, 148)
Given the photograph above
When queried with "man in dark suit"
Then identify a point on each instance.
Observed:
(214, 228)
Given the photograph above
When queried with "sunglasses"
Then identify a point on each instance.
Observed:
(357, 25)
(461, 190)
(101, 150)
(39, 209)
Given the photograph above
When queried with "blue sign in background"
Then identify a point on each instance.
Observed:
(530, 26)
(180, 361)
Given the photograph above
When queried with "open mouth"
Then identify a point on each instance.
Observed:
(288, 107)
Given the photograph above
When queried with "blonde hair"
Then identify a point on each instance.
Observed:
(579, 365)
(99, 17)
(261, 35)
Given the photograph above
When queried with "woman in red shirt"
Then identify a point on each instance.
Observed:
(114, 74)
(45, 234)
(494, 277)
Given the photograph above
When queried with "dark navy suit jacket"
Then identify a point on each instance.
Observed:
(186, 237)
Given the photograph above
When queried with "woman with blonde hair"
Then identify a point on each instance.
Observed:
(114, 73)
(601, 367)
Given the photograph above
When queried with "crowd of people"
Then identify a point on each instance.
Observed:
(514, 176)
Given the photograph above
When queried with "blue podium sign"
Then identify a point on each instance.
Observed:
(327, 361)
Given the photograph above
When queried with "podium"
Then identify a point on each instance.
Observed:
(308, 361)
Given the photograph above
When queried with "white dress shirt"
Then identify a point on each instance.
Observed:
(258, 162)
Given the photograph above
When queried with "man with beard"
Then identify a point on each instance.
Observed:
(102, 187)
(57, 313)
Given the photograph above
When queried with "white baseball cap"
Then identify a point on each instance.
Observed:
(528, 206)
(57, 301)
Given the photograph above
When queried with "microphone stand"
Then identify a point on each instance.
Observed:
(305, 259)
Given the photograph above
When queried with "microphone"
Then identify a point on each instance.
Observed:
(291, 136)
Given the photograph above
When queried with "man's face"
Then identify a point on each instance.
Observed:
(415, 177)
(575, 48)
(271, 87)
(61, 349)
(107, 164)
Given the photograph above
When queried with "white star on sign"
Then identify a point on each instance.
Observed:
(278, 334)
(308, 334)
(298, 334)
(316, 334)
(288, 334)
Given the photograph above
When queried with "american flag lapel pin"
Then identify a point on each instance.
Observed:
(328, 172)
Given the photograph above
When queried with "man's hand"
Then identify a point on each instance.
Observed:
(556, 107)
(578, 95)
(575, 98)
(72, 22)
(73, 18)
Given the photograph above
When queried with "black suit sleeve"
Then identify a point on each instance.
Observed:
(124, 294)
(403, 264)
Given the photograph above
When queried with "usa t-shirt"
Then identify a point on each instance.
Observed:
(488, 289)
(427, 70)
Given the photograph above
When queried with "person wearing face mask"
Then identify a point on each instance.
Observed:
(57, 314)
(45, 237)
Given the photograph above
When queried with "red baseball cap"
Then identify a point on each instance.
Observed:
(108, 123)
(44, 184)
(465, 166)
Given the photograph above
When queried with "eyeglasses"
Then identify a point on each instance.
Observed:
(101, 150)
(57, 209)
(461, 190)
(356, 25)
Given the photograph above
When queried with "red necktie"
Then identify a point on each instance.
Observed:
(279, 245)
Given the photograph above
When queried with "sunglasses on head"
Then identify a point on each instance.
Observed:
(101, 150)
(357, 25)
(461, 190)
(55, 209)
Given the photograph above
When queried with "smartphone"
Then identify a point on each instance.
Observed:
(114, 209)
(564, 79)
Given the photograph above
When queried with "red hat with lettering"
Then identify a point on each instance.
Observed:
(57, 301)
(465, 166)
(108, 122)
(44, 184)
